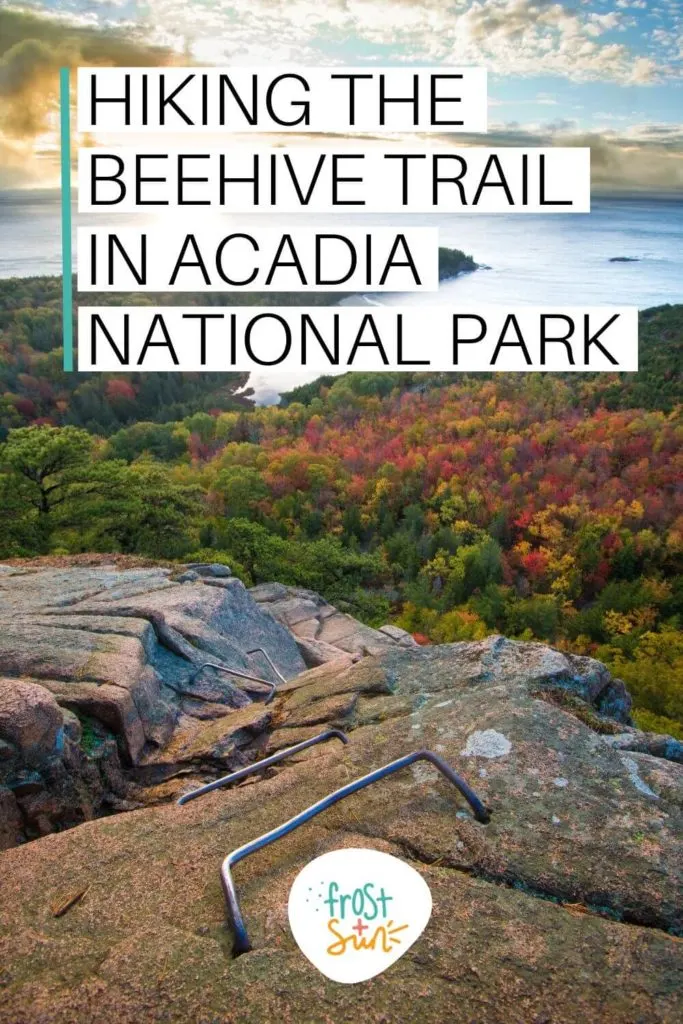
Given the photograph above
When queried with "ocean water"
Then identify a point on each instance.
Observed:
(557, 259)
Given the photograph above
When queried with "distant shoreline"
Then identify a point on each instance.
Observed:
(553, 260)
(452, 263)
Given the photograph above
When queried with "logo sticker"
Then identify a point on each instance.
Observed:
(355, 912)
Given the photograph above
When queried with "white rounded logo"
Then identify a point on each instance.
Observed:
(355, 912)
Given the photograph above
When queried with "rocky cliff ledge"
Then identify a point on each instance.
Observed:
(565, 907)
(113, 681)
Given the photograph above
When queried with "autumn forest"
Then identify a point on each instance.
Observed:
(538, 506)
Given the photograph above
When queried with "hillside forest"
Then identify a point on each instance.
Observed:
(542, 507)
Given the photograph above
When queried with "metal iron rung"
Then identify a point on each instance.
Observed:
(264, 652)
(235, 672)
(250, 769)
(242, 943)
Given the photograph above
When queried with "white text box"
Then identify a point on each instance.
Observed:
(306, 179)
(263, 99)
(166, 258)
(194, 338)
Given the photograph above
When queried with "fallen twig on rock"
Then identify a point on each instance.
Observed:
(60, 909)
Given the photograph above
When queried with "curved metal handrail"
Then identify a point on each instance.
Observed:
(242, 944)
(264, 652)
(281, 755)
(241, 675)
(234, 672)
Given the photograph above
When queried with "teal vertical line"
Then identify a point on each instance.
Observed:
(67, 261)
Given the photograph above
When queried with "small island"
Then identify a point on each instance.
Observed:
(453, 262)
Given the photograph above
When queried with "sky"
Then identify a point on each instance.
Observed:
(609, 72)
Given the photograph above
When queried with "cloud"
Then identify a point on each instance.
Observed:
(511, 37)
(32, 51)
(644, 158)
(26, 73)
(647, 157)
(19, 165)
(630, 165)
(523, 37)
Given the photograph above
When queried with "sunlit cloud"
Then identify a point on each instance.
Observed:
(594, 46)
(511, 37)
